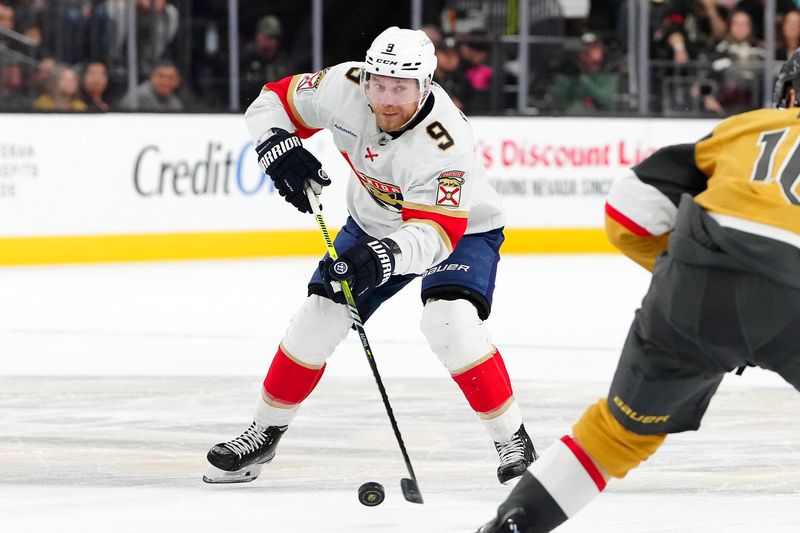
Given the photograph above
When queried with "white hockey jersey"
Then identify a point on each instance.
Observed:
(423, 188)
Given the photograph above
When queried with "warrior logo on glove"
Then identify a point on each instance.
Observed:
(365, 266)
(340, 268)
(387, 262)
(278, 150)
(291, 167)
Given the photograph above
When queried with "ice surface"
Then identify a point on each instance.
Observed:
(116, 379)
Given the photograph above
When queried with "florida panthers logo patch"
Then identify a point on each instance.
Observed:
(448, 190)
(310, 82)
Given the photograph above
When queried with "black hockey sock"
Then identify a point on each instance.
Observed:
(542, 513)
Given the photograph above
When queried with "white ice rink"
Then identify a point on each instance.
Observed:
(116, 379)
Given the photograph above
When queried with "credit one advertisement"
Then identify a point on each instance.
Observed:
(139, 174)
(63, 175)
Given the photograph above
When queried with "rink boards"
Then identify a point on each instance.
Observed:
(98, 188)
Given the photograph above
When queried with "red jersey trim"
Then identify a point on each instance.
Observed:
(629, 224)
(285, 90)
(347, 158)
(453, 226)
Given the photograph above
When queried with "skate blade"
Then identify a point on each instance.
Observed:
(214, 475)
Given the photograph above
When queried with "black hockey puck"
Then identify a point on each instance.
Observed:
(371, 494)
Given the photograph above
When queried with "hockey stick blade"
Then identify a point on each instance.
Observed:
(411, 490)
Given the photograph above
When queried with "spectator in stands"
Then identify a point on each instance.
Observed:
(591, 87)
(474, 52)
(28, 17)
(100, 28)
(263, 60)
(12, 88)
(158, 93)
(26, 11)
(156, 28)
(610, 18)
(72, 16)
(43, 72)
(6, 15)
(6, 21)
(62, 92)
(736, 63)
(94, 85)
(789, 35)
(690, 26)
(755, 8)
(156, 25)
(34, 33)
(546, 20)
(448, 73)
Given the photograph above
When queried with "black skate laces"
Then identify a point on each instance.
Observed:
(247, 442)
(511, 451)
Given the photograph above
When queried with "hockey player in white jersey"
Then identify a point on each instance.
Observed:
(419, 205)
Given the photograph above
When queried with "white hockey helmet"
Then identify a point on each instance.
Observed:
(399, 53)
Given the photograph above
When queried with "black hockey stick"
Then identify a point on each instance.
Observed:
(409, 486)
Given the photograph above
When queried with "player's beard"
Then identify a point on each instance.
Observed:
(393, 117)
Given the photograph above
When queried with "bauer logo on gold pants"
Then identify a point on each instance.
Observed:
(633, 415)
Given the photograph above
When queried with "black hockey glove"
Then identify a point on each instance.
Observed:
(365, 266)
(289, 165)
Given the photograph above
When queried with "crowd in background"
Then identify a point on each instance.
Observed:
(69, 55)
(72, 55)
(716, 47)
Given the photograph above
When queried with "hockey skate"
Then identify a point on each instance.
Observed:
(513, 521)
(240, 460)
(516, 454)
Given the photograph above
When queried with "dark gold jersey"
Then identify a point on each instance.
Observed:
(752, 162)
(745, 175)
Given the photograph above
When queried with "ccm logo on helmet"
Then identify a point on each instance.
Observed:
(386, 61)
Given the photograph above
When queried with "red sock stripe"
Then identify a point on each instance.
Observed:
(288, 381)
(487, 385)
(586, 461)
